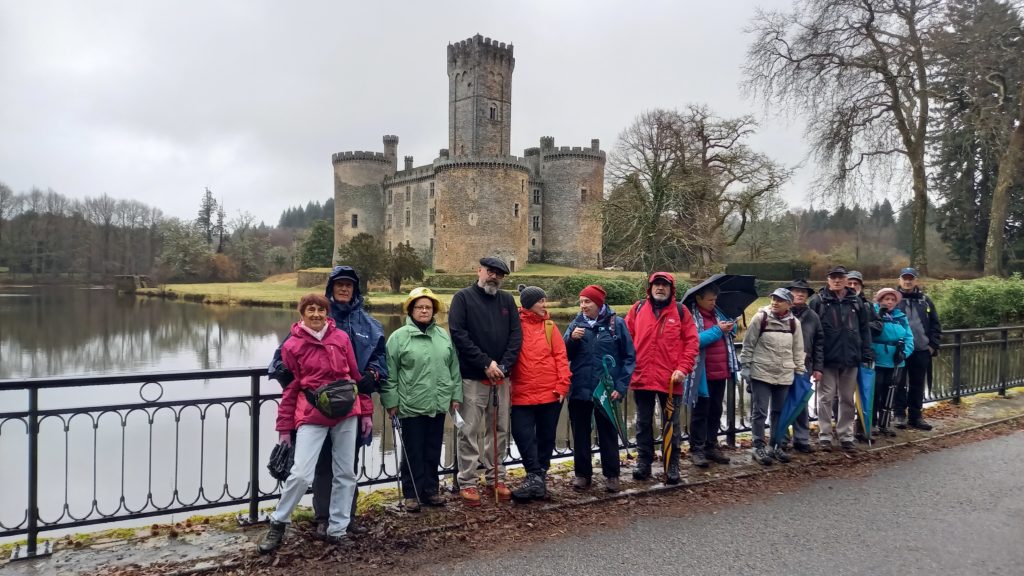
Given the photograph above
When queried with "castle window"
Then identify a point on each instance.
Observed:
(407, 193)
(389, 221)
(583, 194)
(431, 189)
(431, 244)
(515, 211)
(494, 112)
(391, 196)
(408, 217)
(533, 241)
(355, 220)
(389, 245)
(536, 195)
(433, 215)
(536, 223)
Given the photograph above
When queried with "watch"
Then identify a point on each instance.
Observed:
(503, 369)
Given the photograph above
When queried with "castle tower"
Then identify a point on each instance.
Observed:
(479, 97)
(572, 203)
(358, 196)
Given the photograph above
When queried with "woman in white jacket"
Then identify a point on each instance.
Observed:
(773, 352)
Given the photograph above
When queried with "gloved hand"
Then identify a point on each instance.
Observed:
(368, 384)
(365, 426)
(285, 438)
(745, 373)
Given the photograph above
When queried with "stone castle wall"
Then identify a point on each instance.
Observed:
(416, 184)
(481, 210)
(479, 97)
(571, 209)
(357, 192)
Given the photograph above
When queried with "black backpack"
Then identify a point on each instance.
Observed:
(334, 400)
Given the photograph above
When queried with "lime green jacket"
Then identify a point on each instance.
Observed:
(423, 372)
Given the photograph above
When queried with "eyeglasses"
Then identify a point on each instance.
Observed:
(495, 273)
(424, 307)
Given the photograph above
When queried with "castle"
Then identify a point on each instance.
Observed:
(475, 198)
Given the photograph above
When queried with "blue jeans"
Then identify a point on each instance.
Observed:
(308, 440)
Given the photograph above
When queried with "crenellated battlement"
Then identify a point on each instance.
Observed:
(418, 173)
(511, 162)
(531, 152)
(593, 152)
(480, 48)
(339, 157)
(390, 139)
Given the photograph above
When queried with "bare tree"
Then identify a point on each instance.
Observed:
(859, 70)
(10, 203)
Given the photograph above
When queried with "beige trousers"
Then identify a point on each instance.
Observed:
(843, 380)
(475, 444)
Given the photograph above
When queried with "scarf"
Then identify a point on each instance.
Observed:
(318, 335)
(696, 383)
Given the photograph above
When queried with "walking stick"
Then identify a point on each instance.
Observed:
(397, 424)
(494, 437)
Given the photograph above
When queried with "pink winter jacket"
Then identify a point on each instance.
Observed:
(315, 363)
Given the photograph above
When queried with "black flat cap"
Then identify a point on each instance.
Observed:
(496, 263)
(838, 270)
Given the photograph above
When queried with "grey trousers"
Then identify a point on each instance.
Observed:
(475, 443)
(843, 381)
(765, 398)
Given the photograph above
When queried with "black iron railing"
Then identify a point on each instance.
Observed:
(107, 462)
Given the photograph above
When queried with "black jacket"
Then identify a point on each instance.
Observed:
(484, 328)
(845, 324)
(923, 319)
(814, 340)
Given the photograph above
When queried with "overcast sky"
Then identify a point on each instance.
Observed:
(157, 100)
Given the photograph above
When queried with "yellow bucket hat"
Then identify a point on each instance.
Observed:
(422, 292)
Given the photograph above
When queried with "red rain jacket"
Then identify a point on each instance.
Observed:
(542, 371)
(315, 363)
(664, 343)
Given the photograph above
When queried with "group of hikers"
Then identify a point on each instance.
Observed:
(502, 368)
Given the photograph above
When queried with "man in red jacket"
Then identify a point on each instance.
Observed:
(667, 345)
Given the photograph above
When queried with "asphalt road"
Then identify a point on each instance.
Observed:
(956, 511)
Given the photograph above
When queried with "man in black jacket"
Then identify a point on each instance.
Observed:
(847, 343)
(484, 325)
(924, 323)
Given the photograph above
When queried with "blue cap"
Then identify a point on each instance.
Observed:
(908, 271)
(783, 294)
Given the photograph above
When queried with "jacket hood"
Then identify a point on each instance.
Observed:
(298, 331)
(664, 276)
(357, 294)
(526, 315)
(605, 314)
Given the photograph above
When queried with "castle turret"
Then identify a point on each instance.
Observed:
(391, 151)
(572, 203)
(479, 97)
(358, 205)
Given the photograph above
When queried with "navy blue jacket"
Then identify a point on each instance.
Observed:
(365, 332)
(585, 355)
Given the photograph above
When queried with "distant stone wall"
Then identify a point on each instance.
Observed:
(312, 278)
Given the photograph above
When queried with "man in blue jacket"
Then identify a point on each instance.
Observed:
(367, 336)
(927, 330)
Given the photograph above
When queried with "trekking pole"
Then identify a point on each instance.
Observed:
(494, 438)
(397, 424)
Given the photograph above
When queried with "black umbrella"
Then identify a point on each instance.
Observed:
(736, 292)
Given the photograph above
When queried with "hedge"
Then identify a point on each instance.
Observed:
(981, 303)
(769, 270)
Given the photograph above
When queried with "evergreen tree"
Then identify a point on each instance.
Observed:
(207, 212)
(403, 264)
(318, 246)
(366, 254)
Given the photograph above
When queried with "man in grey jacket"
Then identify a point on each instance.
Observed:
(814, 352)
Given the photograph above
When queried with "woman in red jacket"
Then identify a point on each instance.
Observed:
(317, 353)
(540, 380)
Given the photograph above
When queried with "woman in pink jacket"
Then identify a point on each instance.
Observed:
(317, 353)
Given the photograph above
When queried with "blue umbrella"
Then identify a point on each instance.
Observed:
(796, 402)
(866, 397)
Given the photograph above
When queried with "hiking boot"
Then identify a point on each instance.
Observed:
(581, 483)
(355, 528)
(320, 533)
(848, 446)
(803, 448)
(779, 453)
(920, 424)
(470, 496)
(699, 459)
(760, 455)
(860, 437)
(411, 505)
(611, 484)
(271, 540)
(339, 540)
(717, 456)
(435, 500)
(642, 470)
(887, 432)
(901, 422)
(672, 474)
(825, 445)
(504, 494)
(532, 488)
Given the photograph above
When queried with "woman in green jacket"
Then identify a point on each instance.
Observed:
(423, 383)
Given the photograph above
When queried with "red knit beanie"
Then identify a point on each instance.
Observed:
(595, 293)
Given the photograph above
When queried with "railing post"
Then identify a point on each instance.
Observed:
(1004, 360)
(730, 414)
(32, 532)
(957, 378)
(254, 449)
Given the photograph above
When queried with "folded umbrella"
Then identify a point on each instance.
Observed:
(602, 396)
(866, 397)
(796, 402)
(736, 292)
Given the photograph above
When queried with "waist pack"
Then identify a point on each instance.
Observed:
(334, 400)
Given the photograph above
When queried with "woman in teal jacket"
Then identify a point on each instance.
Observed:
(423, 383)
(892, 346)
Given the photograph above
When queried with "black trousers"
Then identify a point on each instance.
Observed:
(910, 390)
(883, 381)
(422, 437)
(706, 418)
(645, 400)
(533, 429)
(324, 476)
(581, 412)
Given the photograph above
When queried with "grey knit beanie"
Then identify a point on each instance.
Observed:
(530, 295)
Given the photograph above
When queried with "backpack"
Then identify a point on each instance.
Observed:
(761, 329)
(549, 329)
(333, 400)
